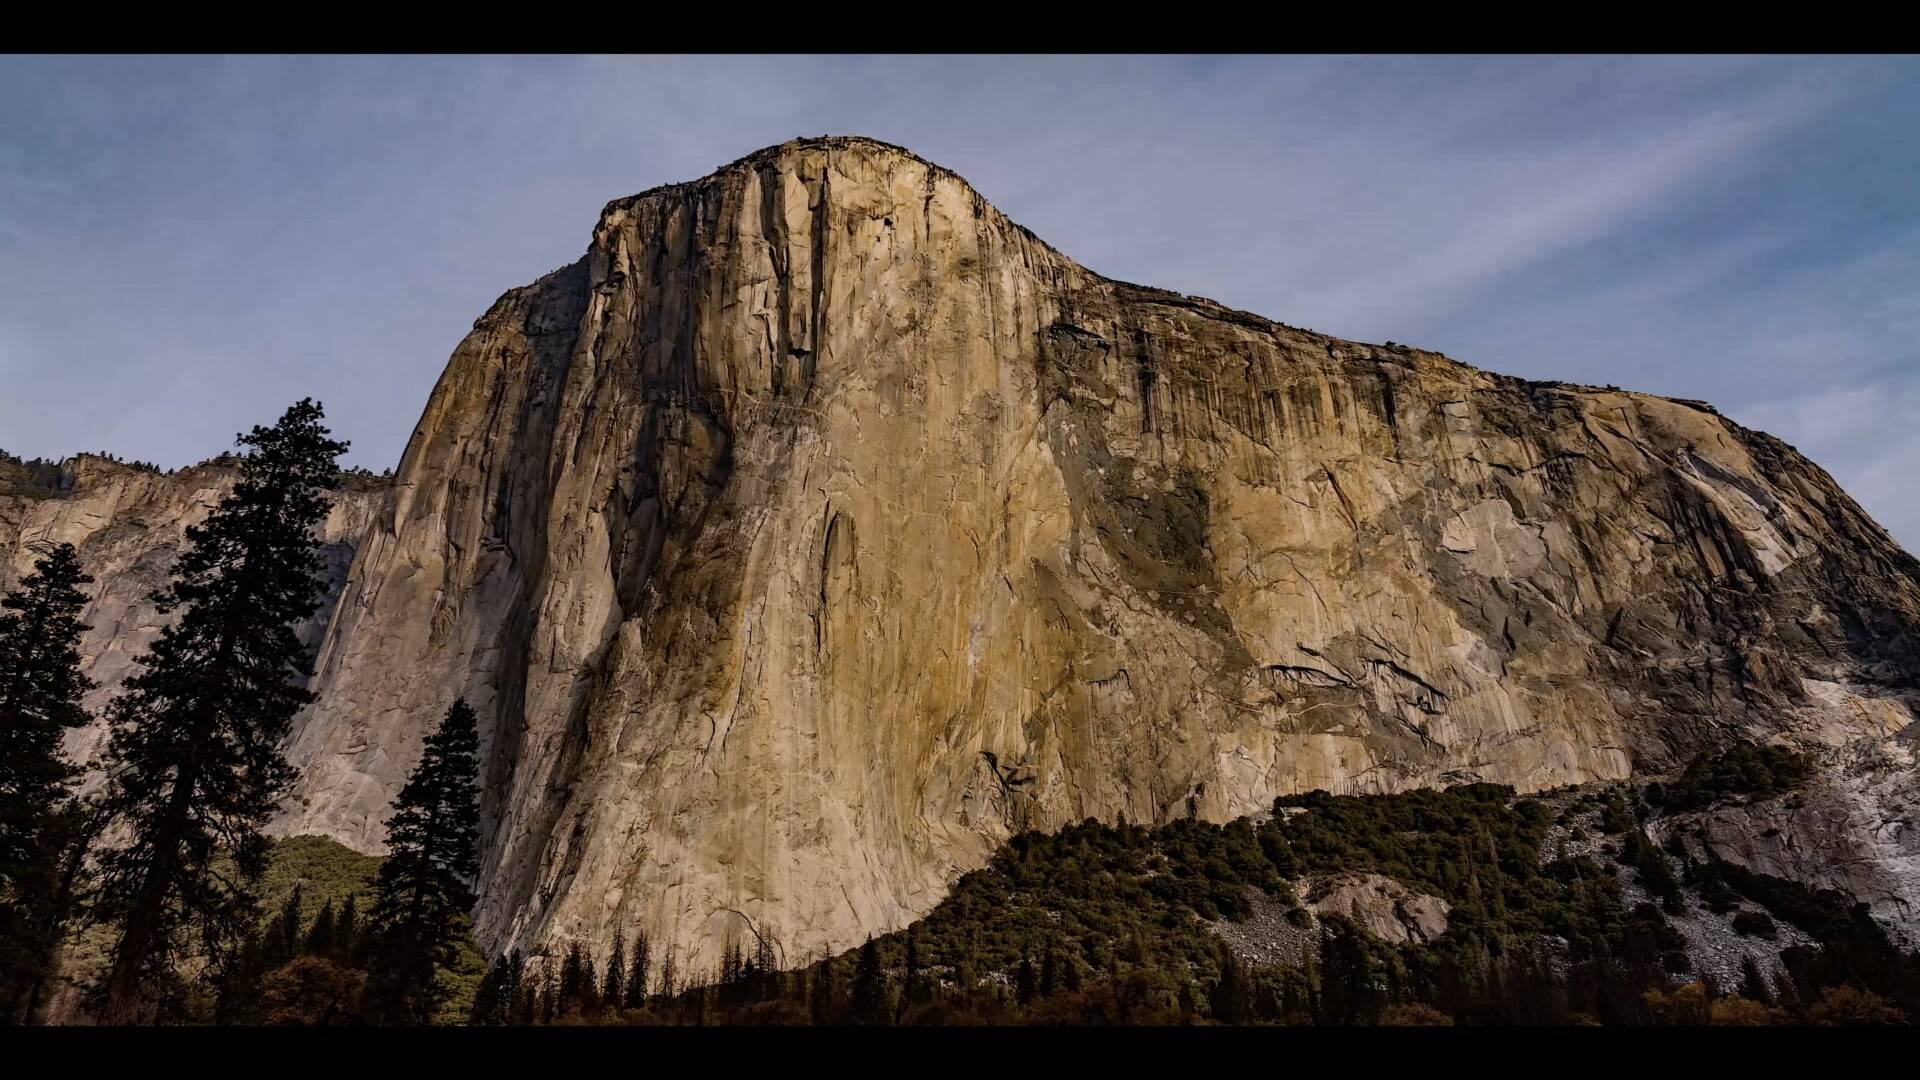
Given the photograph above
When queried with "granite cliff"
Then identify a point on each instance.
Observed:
(821, 527)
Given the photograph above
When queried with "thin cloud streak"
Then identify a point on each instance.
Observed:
(190, 242)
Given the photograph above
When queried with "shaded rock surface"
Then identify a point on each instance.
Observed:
(821, 527)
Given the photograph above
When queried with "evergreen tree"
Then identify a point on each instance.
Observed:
(799, 990)
(346, 931)
(40, 690)
(578, 992)
(320, 939)
(963, 980)
(424, 895)
(826, 995)
(614, 990)
(766, 980)
(549, 997)
(489, 1001)
(637, 972)
(1024, 983)
(526, 991)
(869, 986)
(668, 985)
(283, 937)
(72, 832)
(1334, 1006)
(514, 992)
(911, 990)
(588, 1000)
(1232, 993)
(237, 983)
(571, 965)
(195, 750)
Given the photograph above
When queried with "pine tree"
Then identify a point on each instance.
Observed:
(514, 992)
(826, 1000)
(869, 986)
(766, 969)
(578, 990)
(1023, 981)
(432, 842)
(910, 989)
(195, 750)
(799, 989)
(548, 997)
(571, 964)
(526, 991)
(73, 832)
(346, 931)
(1231, 995)
(283, 937)
(489, 1000)
(614, 990)
(320, 939)
(237, 982)
(637, 971)
(667, 976)
(40, 690)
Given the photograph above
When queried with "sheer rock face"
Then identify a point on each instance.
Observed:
(1854, 829)
(821, 527)
(128, 525)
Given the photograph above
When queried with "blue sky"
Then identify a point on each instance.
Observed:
(187, 244)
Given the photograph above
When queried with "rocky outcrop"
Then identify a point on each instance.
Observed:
(1379, 905)
(1855, 829)
(821, 527)
(1285, 929)
(128, 524)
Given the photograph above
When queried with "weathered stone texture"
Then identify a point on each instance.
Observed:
(821, 527)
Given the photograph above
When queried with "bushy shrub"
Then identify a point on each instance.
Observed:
(1847, 1006)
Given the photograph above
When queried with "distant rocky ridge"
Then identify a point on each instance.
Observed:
(821, 527)
(129, 522)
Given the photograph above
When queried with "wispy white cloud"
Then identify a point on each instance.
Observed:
(189, 241)
(1557, 203)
